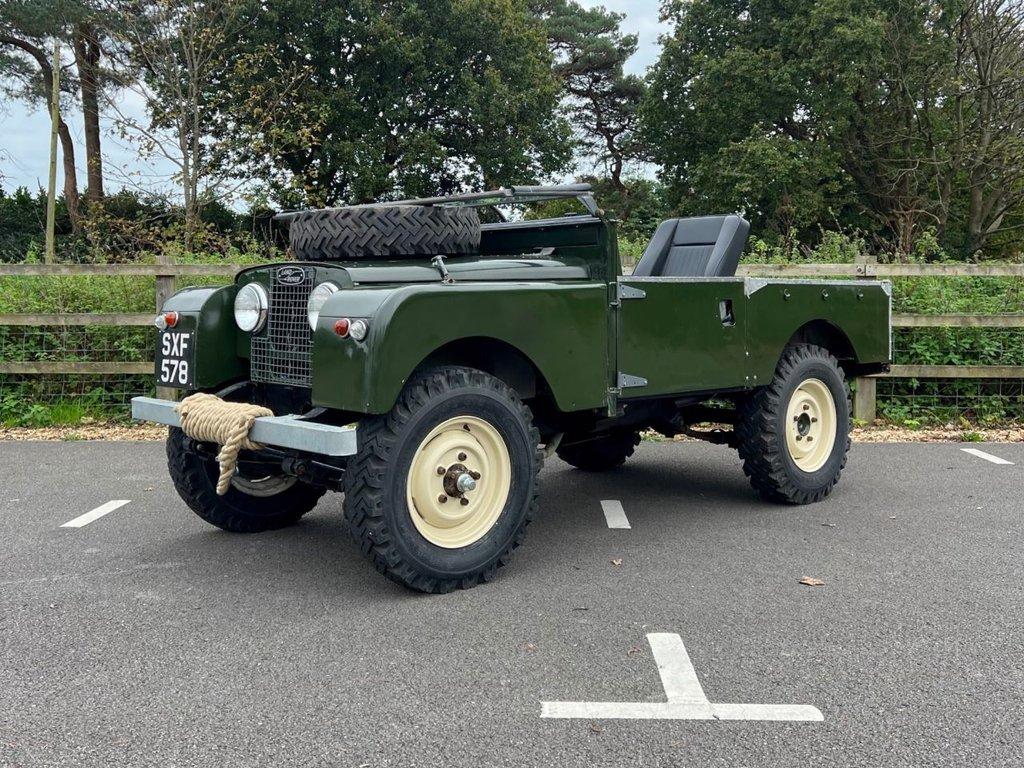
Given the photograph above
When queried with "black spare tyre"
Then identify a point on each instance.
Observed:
(394, 231)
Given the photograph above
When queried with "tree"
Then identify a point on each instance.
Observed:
(894, 116)
(173, 50)
(602, 101)
(32, 80)
(393, 98)
(27, 29)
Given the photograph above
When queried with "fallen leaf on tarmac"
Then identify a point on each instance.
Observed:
(634, 649)
(529, 647)
(595, 728)
(810, 581)
(617, 562)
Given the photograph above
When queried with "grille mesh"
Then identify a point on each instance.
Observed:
(280, 354)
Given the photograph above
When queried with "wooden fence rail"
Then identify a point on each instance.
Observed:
(864, 401)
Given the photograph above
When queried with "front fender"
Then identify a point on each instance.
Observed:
(208, 313)
(561, 328)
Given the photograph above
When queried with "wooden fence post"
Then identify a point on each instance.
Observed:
(865, 398)
(164, 291)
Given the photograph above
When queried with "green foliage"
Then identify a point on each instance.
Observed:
(129, 226)
(876, 115)
(359, 100)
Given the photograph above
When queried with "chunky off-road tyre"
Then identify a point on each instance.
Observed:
(407, 495)
(600, 454)
(794, 434)
(250, 506)
(395, 231)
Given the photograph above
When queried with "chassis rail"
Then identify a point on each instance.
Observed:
(278, 431)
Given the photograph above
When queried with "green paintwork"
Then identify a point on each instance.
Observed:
(209, 313)
(676, 338)
(657, 336)
(548, 292)
(859, 310)
(408, 323)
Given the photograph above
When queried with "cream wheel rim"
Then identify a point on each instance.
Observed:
(811, 425)
(459, 482)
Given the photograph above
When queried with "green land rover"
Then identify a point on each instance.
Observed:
(425, 365)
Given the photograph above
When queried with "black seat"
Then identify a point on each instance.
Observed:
(708, 246)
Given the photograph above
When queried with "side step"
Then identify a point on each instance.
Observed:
(278, 431)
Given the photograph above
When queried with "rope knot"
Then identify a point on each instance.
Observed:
(209, 419)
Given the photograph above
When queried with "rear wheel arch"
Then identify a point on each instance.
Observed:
(828, 336)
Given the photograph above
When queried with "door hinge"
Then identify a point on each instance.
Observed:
(625, 292)
(627, 381)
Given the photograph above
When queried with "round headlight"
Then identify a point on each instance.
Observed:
(251, 305)
(317, 299)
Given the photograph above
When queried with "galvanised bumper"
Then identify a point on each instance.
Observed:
(291, 432)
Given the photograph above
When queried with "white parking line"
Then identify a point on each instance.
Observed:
(685, 696)
(615, 514)
(96, 514)
(987, 456)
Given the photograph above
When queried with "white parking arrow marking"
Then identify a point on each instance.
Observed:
(96, 514)
(987, 456)
(685, 696)
(615, 515)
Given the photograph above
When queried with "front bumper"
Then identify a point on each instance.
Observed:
(278, 431)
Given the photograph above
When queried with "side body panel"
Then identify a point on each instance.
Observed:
(560, 327)
(680, 336)
(861, 311)
(676, 338)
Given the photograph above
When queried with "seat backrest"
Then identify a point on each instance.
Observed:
(707, 246)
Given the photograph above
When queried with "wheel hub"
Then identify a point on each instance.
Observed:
(459, 482)
(812, 424)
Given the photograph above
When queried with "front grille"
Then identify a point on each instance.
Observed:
(281, 352)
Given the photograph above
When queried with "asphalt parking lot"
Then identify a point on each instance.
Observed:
(145, 638)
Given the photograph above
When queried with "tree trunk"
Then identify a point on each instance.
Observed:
(87, 59)
(66, 142)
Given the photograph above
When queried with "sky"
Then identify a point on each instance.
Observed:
(25, 132)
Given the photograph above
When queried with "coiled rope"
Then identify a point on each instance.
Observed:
(209, 419)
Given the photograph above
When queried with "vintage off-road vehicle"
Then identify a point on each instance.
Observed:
(424, 365)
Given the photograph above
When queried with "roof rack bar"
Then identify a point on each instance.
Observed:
(584, 192)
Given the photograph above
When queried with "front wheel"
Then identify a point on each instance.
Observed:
(794, 434)
(444, 485)
(257, 501)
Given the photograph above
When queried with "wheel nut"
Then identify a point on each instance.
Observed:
(442, 499)
(814, 421)
(807, 407)
(463, 457)
(475, 475)
(810, 439)
(799, 438)
(465, 502)
(441, 471)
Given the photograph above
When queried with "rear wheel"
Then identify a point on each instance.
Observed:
(444, 485)
(601, 453)
(794, 434)
(258, 500)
